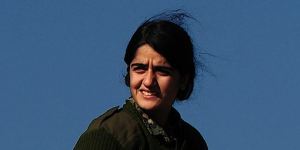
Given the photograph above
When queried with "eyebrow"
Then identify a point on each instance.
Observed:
(138, 65)
(155, 67)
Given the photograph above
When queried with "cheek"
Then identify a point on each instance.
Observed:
(134, 81)
(169, 86)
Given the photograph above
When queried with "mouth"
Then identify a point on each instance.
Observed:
(149, 94)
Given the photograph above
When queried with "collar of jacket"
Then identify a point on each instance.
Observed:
(168, 134)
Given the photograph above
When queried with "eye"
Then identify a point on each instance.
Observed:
(163, 71)
(139, 68)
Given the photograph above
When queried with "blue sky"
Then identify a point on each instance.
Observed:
(61, 65)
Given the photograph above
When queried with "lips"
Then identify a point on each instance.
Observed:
(149, 94)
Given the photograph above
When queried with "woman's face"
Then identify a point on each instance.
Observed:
(153, 82)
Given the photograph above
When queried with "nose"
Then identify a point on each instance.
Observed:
(149, 79)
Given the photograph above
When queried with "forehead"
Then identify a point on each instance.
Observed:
(146, 54)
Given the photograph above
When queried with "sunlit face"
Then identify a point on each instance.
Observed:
(153, 82)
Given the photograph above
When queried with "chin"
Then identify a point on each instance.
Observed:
(148, 107)
(147, 104)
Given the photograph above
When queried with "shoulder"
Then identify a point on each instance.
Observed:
(97, 122)
(193, 136)
(120, 124)
(97, 138)
(114, 120)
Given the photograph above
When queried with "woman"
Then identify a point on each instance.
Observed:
(160, 70)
